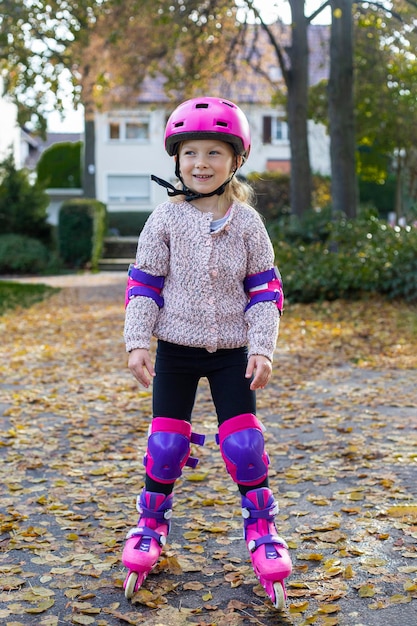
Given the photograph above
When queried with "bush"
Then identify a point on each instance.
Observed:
(23, 205)
(60, 166)
(272, 190)
(346, 258)
(23, 255)
(380, 195)
(127, 223)
(82, 227)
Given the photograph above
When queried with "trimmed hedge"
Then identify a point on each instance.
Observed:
(127, 223)
(23, 255)
(60, 166)
(82, 227)
(325, 258)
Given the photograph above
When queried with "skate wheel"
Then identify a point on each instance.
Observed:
(130, 584)
(279, 596)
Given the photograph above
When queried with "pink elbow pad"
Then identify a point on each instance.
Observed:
(263, 287)
(140, 283)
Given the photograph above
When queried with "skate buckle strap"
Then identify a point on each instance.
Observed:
(160, 516)
(255, 543)
(270, 512)
(144, 531)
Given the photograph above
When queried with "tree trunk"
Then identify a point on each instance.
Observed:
(297, 109)
(89, 165)
(341, 111)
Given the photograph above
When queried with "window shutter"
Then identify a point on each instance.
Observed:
(267, 125)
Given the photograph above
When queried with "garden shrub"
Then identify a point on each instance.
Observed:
(127, 223)
(347, 258)
(60, 165)
(272, 191)
(23, 255)
(82, 227)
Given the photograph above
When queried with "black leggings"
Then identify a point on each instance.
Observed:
(178, 371)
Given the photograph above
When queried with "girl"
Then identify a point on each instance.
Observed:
(204, 284)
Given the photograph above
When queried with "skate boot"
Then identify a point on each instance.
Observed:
(269, 553)
(145, 542)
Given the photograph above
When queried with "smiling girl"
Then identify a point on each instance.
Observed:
(204, 284)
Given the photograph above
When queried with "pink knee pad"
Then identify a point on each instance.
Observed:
(169, 449)
(243, 449)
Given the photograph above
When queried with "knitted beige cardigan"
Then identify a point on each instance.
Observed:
(203, 292)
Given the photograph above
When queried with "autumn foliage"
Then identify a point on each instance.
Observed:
(340, 414)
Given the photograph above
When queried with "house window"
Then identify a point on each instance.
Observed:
(129, 130)
(275, 129)
(128, 188)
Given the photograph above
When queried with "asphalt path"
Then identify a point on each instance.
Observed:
(342, 444)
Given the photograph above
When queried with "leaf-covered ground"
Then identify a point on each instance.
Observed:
(341, 418)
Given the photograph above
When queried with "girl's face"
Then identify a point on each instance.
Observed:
(205, 164)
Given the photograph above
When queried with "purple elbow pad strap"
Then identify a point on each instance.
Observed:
(143, 277)
(148, 292)
(169, 449)
(243, 449)
(254, 280)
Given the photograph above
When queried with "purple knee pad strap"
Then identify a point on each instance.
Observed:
(169, 449)
(243, 449)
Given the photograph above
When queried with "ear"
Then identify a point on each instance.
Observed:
(239, 161)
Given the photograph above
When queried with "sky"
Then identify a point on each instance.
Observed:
(74, 120)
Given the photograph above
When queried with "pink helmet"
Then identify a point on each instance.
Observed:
(207, 118)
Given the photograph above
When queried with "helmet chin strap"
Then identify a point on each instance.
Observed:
(186, 191)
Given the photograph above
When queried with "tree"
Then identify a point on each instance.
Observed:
(341, 110)
(106, 47)
(386, 107)
(23, 205)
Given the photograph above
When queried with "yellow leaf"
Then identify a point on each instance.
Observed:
(298, 607)
(366, 591)
(84, 620)
(71, 537)
(310, 557)
(399, 599)
(403, 510)
(329, 608)
(197, 477)
(355, 496)
(7, 583)
(41, 607)
(207, 596)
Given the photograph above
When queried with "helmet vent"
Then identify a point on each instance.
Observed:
(178, 124)
(225, 124)
(201, 105)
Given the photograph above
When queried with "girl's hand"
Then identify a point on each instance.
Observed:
(140, 365)
(260, 367)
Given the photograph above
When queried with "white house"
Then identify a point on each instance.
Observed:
(129, 143)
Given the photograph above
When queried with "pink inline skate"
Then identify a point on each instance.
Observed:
(269, 553)
(145, 542)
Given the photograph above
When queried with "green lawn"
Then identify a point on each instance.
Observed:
(13, 294)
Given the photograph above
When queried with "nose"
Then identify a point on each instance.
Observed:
(200, 161)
